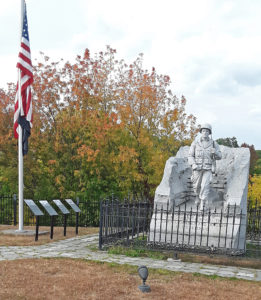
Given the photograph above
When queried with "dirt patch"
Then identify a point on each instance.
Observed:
(14, 240)
(78, 279)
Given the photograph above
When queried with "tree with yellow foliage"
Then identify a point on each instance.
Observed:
(254, 188)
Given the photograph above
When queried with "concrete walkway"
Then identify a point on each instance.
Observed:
(80, 247)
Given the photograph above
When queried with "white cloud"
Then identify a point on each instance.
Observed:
(8, 7)
(8, 70)
(210, 48)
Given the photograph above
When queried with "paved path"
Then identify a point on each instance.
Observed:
(80, 247)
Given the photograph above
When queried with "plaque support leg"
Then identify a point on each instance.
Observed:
(37, 228)
(64, 224)
(51, 234)
(77, 223)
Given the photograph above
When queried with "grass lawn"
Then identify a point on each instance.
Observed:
(15, 240)
(79, 279)
(189, 257)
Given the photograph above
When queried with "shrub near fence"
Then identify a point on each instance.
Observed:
(89, 215)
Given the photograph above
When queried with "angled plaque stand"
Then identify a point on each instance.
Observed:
(37, 213)
(50, 210)
(64, 211)
(77, 210)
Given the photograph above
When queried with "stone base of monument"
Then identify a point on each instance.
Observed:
(205, 229)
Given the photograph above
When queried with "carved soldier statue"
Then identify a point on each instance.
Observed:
(203, 154)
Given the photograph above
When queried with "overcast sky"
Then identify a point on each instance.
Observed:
(211, 49)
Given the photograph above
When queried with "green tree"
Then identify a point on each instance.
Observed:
(100, 126)
(229, 142)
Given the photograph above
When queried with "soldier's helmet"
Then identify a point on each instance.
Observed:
(206, 126)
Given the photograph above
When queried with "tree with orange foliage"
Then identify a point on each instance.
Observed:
(100, 125)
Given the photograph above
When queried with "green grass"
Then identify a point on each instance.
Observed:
(248, 261)
(253, 247)
(215, 277)
(132, 252)
(133, 270)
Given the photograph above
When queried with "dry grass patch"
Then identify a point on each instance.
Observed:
(16, 240)
(78, 279)
(222, 260)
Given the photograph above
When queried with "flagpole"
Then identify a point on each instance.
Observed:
(20, 141)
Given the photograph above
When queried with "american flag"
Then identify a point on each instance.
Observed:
(23, 113)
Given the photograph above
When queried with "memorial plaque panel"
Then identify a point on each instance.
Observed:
(73, 205)
(62, 208)
(33, 207)
(48, 208)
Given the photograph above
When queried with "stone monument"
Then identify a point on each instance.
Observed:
(204, 191)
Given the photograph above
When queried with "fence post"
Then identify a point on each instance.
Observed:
(161, 215)
(228, 208)
(77, 216)
(15, 208)
(101, 225)
(128, 222)
(220, 225)
(239, 228)
(232, 235)
(155, 223)
(202, 224)
(167, 217)
(184, 223)
(132, 221)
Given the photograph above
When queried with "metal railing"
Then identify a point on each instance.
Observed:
(8, 209)
(89, 216)
(123, 220)
(222, 231)
(253, 239)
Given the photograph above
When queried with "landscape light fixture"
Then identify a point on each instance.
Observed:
(144, 273)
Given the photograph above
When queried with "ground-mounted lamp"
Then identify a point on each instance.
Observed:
(144, 273)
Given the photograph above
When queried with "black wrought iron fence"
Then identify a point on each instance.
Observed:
(89, 216)
(123, 220)
(253, 239)
(223, 231)
(8, 209)
(254, 220)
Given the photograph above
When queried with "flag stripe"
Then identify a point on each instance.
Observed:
(25, 53)
(23, 59)
(25, 44)
(25, 68)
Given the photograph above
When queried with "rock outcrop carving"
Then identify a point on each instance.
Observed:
(222, 223)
